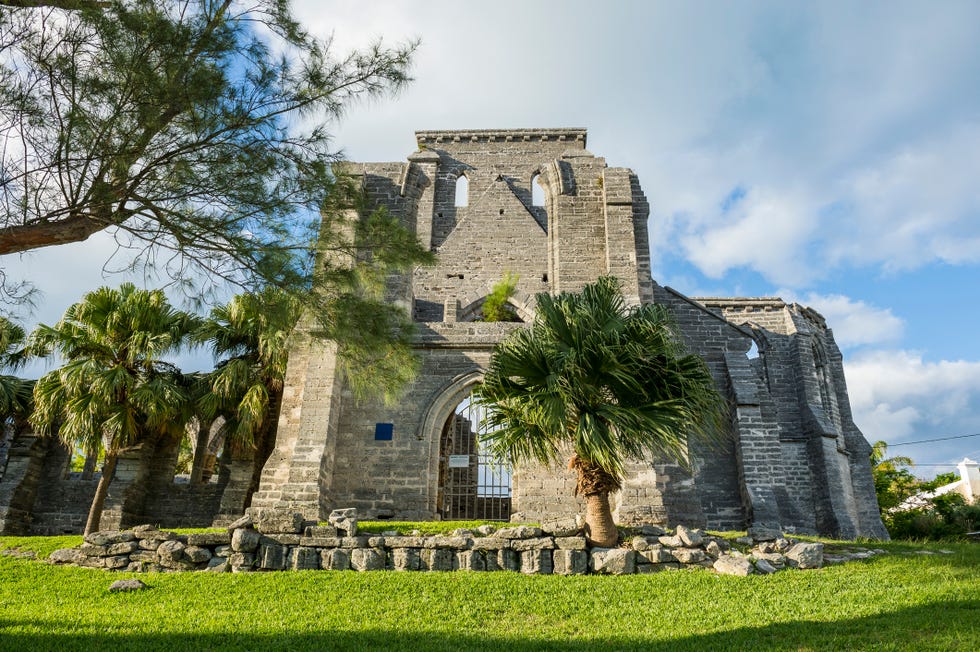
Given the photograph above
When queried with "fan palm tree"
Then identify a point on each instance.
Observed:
(115, 390)
(15, 393)
(248, 337)
(608, 382)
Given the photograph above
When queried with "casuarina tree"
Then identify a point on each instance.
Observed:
(602, 382)
(195, 131)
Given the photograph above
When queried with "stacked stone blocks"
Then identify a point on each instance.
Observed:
(531, 550)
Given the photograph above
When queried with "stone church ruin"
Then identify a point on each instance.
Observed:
(537, 204)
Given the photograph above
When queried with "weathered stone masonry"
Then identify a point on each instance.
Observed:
(554, 548)
(795, 460)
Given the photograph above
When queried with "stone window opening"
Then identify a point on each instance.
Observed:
(537, 191)
(826, 388)
(462, 191)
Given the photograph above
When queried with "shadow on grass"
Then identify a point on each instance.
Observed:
(950, 625)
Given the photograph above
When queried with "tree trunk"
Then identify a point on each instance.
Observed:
(98, 502)
(88, 469)
(600, 530)
(200, 451)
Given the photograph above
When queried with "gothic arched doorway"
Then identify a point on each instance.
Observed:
(472, 485)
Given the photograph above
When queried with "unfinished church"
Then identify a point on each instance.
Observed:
(795, 460)
(536, 204)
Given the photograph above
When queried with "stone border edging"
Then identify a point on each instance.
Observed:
(530, 550)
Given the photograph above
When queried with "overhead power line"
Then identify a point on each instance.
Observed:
(927, 441)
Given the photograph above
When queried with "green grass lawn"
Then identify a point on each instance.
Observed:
(900, 601)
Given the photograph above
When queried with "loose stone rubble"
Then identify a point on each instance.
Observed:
(124, 586)
(556, 548)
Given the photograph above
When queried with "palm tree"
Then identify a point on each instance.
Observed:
(248, 338)
(893, 480)
(607, 381)
(114, 391)
(16, 394)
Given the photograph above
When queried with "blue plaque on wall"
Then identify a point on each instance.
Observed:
(383, 431)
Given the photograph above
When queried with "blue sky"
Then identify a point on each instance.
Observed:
(826, 153)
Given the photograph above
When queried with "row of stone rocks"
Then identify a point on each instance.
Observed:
(531, 550)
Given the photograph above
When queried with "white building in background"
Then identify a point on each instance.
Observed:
(967, 486)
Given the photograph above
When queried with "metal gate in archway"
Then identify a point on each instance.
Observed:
(472, 485)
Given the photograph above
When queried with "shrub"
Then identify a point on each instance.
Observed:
(495, 307)
(944, 517)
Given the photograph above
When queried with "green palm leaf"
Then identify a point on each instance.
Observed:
(114, 390)
(608, 381)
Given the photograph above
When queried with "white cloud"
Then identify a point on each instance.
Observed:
(898, 396)
(855, 322)
(763, 230)
(917, 205)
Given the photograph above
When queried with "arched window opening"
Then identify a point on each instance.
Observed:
(537, 191)
(822, 380)
(462, 191)
(472, 484)
(828, 399)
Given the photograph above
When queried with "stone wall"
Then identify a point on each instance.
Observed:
(39, 496)
(526, 549)
(18, 488)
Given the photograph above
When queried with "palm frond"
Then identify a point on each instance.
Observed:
(611, 381)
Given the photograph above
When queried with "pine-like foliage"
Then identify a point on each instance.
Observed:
(196, 130)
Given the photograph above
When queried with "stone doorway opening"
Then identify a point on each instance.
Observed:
(472, 485)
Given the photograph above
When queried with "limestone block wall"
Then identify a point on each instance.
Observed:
(793, 457)
(63, 499)
(483, 156)
(499, 229)
(39, 496)
(730, 494)
(542, 492)
(18, 489)
(823, 480)
(399, 478)
(303, 459)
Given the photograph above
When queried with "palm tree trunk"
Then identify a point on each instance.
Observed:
(91, 459)
(200, 451)
(98, 502)
(595, 483)
(600, 530)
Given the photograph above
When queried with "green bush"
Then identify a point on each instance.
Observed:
(495, 307)
(944, 517)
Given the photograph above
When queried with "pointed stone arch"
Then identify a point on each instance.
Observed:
(462, 191)
(440, 415)
(522, 303)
